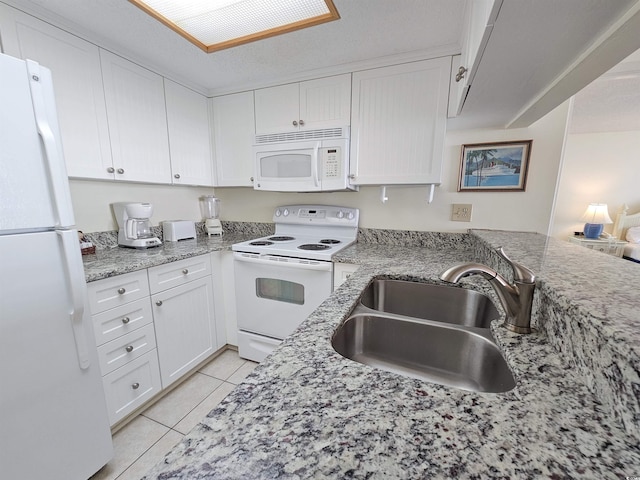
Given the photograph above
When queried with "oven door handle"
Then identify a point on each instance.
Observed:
(322, 266)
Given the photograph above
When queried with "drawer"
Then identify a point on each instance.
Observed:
(177, 273)
(132, 385)
(121, 320)
(116, 291)
(119, 352)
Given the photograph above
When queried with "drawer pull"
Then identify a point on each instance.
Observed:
(159, 303)
(135, 386)
(126, 320)
(185, 271)
(121, 290)
(129, 348)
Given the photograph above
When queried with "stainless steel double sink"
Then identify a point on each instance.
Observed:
(432, 332)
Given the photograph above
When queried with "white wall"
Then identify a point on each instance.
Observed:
(92, 199)
(597, 168)
(406, 209)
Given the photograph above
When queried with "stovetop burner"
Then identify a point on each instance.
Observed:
(280, 238)
(260, 243)
(329, 241)
(313, 246)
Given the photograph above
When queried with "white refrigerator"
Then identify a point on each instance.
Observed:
(53, 415)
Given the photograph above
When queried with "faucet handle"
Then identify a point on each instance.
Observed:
(520, 273)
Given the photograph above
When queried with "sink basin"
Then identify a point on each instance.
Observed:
(438, 353)
(431, 302)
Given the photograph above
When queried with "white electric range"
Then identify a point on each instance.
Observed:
(280, 279)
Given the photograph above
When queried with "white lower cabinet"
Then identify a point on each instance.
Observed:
(342, 271)
(154, 326)
(125, 336)
(185, 331)
(130, 386)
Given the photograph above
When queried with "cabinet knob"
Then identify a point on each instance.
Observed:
(121, 290)
(352, 176)
(111, 169)
(177, 175)
(251, 179)
(301, 123)
(129, 348)
(135, 385)
(159, 303)
(295, 123)
(120, 171)
(460, 74)
(185, 271)
(125, 320)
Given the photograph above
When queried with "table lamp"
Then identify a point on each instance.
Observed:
(595, 217)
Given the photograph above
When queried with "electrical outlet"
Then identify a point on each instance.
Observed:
(461, 212)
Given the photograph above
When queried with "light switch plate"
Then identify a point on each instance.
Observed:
(461, 212)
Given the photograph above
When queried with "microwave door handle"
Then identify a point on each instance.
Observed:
(314, 171)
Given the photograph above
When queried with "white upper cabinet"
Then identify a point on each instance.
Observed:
(310, 105)
(77, 80)
(234, 132)
(478, 23)
(137, 120)
(189, 142)
(398, 121)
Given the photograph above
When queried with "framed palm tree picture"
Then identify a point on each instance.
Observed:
(496, 167)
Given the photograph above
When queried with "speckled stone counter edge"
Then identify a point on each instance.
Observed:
(601, 344)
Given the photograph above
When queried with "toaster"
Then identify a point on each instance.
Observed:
(176, 230)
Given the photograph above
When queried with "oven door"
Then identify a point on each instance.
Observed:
(276, 294)
(287, 167)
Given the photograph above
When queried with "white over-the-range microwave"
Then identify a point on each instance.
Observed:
(303, 161)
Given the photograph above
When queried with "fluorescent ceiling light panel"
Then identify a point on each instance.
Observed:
(218, 24)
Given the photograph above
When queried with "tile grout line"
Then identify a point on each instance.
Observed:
(150, 447)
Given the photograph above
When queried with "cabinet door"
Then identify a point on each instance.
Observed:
(478, 24)
(342, 271)
(185, 327)
(137, 120)
(77, 81)
(189, 143)
(224, 292)
(398, 119)
(132, 385)
(234, 134)
(325, 102)
(277, 108)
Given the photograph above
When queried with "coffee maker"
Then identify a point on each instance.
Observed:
(134, 226)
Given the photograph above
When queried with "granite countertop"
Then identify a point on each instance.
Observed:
(114, 260)
(307, 412)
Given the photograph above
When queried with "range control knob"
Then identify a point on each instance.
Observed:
(340, 214)
(286, 212)
(350, 215)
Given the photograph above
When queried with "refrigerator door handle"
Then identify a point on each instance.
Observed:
(76, 288)
(51, 153)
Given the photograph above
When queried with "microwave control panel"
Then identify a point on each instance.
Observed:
(331, 163)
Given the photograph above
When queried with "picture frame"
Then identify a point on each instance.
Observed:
(494, 167)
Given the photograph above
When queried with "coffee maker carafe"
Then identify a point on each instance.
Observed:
(210, 209)
(134, 226)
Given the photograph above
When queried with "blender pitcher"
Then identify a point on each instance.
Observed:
(210, 208)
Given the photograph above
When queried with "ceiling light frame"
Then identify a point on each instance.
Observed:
(291, 27)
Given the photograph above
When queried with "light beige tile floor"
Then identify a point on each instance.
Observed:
(144, 441)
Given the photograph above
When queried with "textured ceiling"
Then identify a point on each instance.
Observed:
(366, 30)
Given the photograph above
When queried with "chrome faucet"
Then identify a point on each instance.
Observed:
(516, 299)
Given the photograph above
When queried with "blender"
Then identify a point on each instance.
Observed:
(134, 226)
(210, 208)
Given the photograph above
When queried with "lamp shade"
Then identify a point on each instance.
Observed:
(595, 217)
(597, 213)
